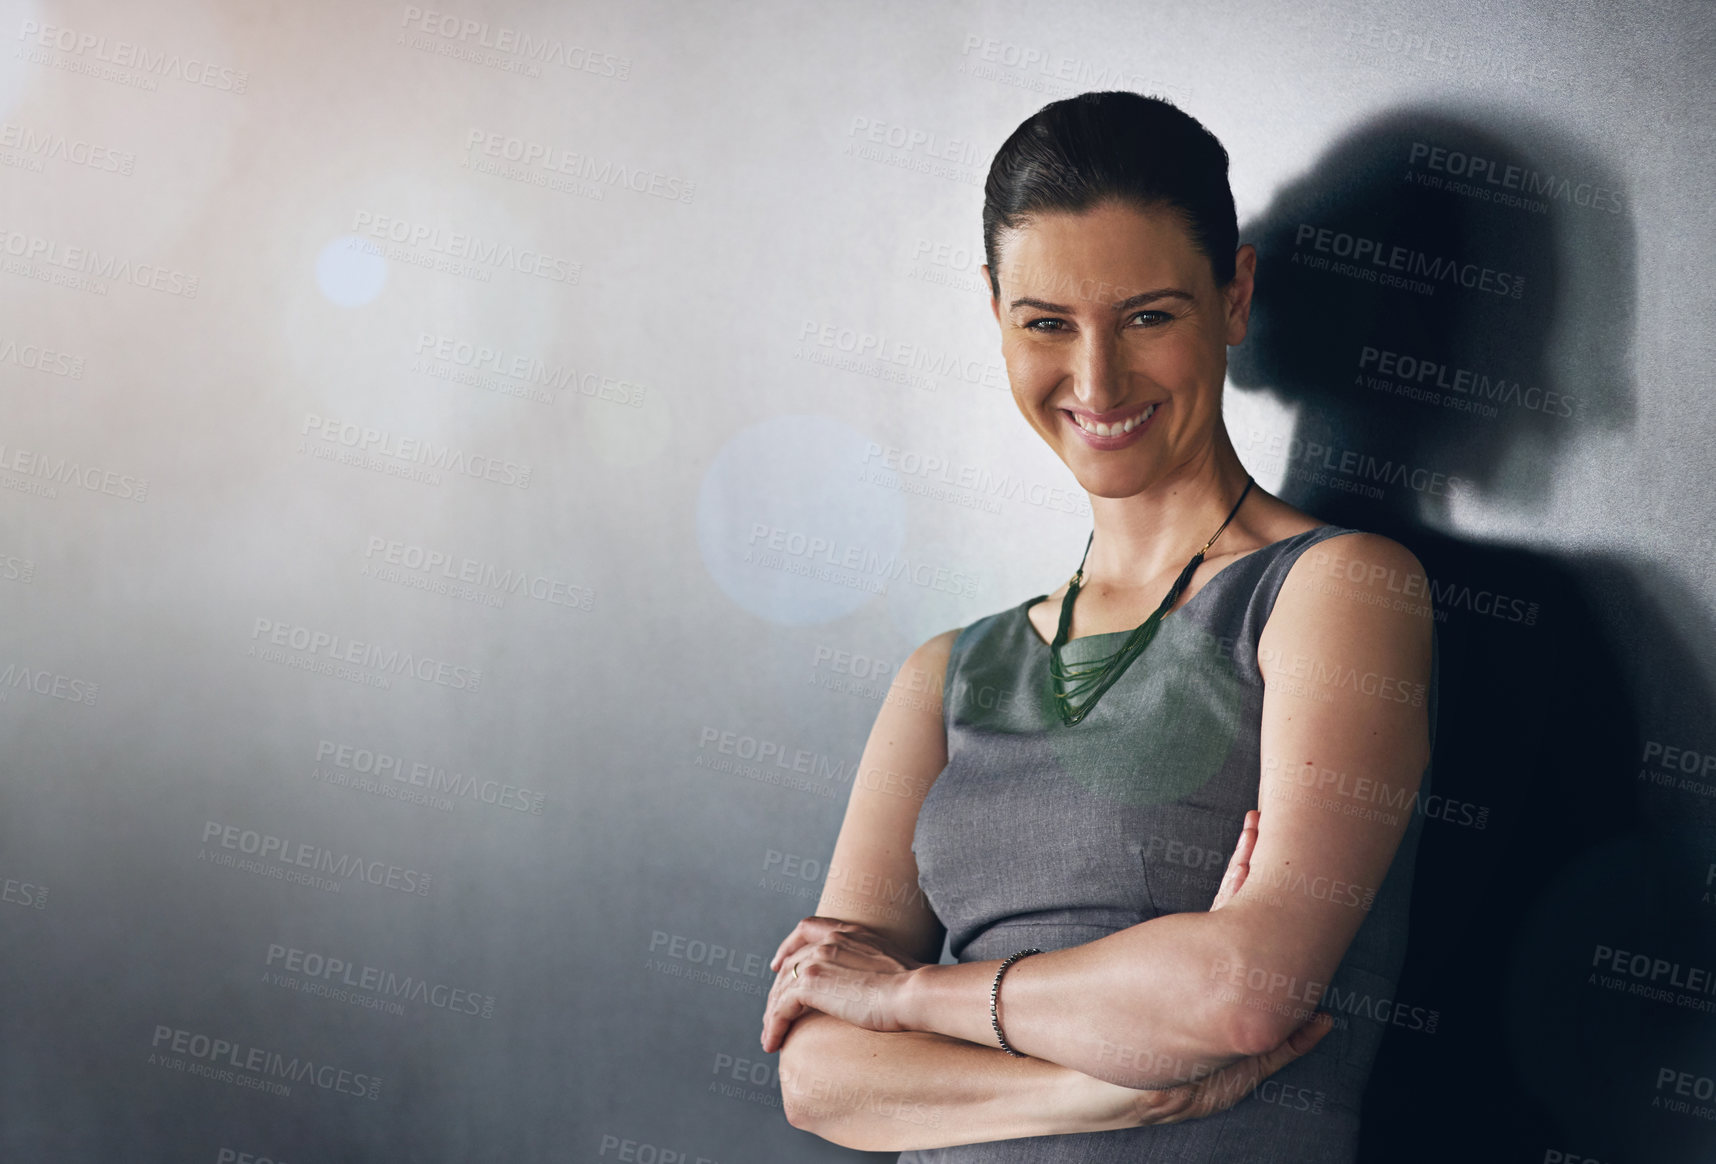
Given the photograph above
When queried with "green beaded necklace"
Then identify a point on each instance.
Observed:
(1087, 681)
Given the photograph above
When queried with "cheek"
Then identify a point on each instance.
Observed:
(1031, 407)
(1183, 369)
(1031, 374)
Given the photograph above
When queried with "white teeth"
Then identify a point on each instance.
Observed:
(1114, 429)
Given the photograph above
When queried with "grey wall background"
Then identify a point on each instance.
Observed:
(431, 441)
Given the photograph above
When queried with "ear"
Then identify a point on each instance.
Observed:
(1238, 293)
(994, 300)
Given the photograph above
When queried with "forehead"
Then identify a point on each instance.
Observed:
(1112, 243)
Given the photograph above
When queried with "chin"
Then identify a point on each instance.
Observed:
(1112, 484)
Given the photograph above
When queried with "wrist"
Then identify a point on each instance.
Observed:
(949, 999)
(915, 1004)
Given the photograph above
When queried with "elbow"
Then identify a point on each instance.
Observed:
(1253, 1029)
(1252, 1020)
(815, 1119)
(804, 1117)
(1203, 1040)
(795, 1115)
(1228, 1025)
(1254, 1000)
(805, 1085)
(796, 1102)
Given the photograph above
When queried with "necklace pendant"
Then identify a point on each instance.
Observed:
(1095, 676)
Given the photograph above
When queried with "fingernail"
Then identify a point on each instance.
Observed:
(1308, 1035)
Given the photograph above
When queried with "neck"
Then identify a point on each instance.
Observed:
(1157, 529)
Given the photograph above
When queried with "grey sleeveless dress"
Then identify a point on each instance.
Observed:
(1038, 834)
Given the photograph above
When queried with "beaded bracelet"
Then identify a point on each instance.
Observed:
(995, 993)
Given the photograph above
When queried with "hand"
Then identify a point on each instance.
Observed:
(842, 968)
(1224, 1088)
(1238, 865)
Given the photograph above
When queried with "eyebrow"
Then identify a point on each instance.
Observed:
(1137, 300)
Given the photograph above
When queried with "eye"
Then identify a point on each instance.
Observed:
(1049, 323)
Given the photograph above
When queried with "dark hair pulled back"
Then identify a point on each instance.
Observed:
(1145, 152)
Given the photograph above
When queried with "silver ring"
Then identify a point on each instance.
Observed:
(795, 969)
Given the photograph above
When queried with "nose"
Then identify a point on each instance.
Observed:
(1096, 370)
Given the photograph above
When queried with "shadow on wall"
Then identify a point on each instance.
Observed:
(1440, 297)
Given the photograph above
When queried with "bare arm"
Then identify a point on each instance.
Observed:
(889, 1091)
(1182, 995)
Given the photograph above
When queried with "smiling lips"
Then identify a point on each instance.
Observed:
(1105, 433)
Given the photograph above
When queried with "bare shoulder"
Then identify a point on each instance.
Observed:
(1372, 562)
(1357, 594)
(932, 654)
(917, 685)
(1361, 555)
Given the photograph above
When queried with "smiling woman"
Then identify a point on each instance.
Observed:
(1161, 814)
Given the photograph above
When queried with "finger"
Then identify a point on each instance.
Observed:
(802, 933)
(814, 928)
(786, 980)
(789, 998)
(1234, 1082)
(776, 1025)
(1247, 840)
(1309, 1035)
(1214, 1093)
(788, 944)
(769, 1004)
(780, 1019)
(792, 986)
(808, 929)
(1239, 865)
(1247, 837)
(1293, 1046)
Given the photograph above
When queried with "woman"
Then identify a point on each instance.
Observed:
(1097, 750)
